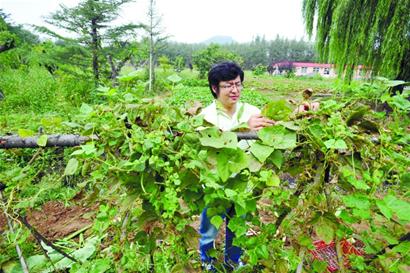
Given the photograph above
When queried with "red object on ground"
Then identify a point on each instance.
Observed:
(327, 253)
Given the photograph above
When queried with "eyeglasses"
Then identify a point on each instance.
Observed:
(238, 86)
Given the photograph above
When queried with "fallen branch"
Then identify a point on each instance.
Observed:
(14, 141)
(247, 135)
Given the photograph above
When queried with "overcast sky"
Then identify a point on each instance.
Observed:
(190, 21)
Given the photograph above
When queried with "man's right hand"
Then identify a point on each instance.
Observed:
(257, 122)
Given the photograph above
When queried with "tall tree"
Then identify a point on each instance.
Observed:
(155, 39)
(89, 22)
(12, 35)
(204, 59)
(375, 33)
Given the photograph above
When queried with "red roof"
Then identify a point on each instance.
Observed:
(312, 65)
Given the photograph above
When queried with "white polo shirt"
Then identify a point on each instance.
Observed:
(216, 115)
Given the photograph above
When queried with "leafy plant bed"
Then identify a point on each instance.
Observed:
(154, 168)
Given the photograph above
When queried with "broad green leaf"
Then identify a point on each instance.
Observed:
(361, 213)
(51, 121)
(274, 181)
(403, 248)
(405, 180)
(217, 221)
(335, 144)
(277, 110)
(270, 178)
(77, 152)
(86, 109)
(359, 201)
(358, 184)
(348, 174)
(260, 151)
(229, 162)
(174, 78)
(254, 164)
(277, 158)
(238, 225)
(25, 133)
(325, 229)
(278, 137)
(88, 148)
(289, 125)
(384, 209)
(71, 167)
(399, 207)
(212, 138)
(230, 193)
(71, 124)
(42, 141)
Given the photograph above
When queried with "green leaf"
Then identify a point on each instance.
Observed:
(51, 121)
(325, 229)
(335, 144)
(254, 164)
(238, 225)
(86, 109)
(42, 141)
(348, 174)
(25, 133)
(217, 221)
(71, 167)
(174, 78)
(260, 151)
(277, 110)
(399, 207)
(273, 181)
(358, 184)
(384, 209)
(277, 158)
(229, 162)
(88, 148)
(270, 178)
(213, 138)
(230, 193)
(359, 201)
(278, 137)
(403, 248)
(405, 180)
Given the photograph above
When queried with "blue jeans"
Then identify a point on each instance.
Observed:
(208, 234)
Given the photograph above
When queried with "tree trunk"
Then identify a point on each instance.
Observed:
(94, 45)
(115, 69)
(151, 46)
(8, 142)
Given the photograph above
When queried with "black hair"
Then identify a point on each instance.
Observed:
(224, 71)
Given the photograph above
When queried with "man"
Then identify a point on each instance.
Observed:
(226, 112)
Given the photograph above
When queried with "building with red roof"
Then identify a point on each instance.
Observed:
(311, 69)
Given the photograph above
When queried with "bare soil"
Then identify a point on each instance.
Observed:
(55, 221)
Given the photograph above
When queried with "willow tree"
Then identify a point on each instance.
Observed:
(375, 33)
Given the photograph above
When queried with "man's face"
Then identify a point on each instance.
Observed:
(229, 91)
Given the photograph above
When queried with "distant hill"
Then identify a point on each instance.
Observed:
(222, 40)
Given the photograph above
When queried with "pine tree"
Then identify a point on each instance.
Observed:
(89, 22)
